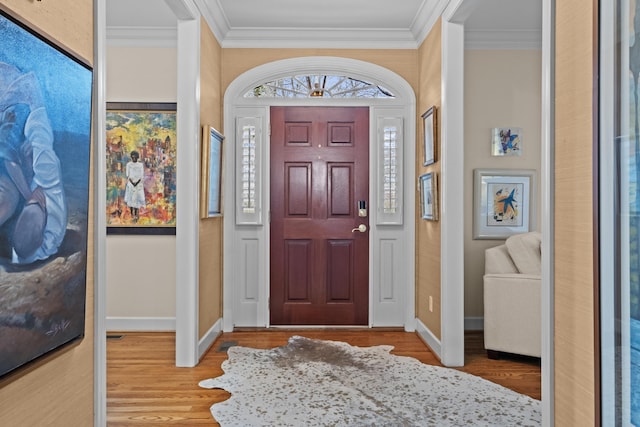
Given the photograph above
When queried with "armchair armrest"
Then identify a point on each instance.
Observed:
(498, 261)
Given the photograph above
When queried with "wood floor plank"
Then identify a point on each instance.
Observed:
(144, 388)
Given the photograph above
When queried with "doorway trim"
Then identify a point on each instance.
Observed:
(453, 19)
(235, 105)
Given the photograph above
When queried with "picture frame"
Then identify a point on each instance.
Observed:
(506, 141)
(503, 202)
(430, 127)
(46, 118)
(428, 185)
(148, 130)
(211, 173)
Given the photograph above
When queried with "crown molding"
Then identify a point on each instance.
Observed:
(142, 36)
(319, 38)
(266, 38)
(215, 17)
(426, 18)
(503, 39)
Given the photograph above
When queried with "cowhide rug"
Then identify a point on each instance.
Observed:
(328, 383)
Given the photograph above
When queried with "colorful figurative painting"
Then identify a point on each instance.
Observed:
(506, 142)
(505, 206)
(45, 144)
(141, 166)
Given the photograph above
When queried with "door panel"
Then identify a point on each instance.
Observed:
(319, 172)
(340, 270)
(298, 189)
(340, 188)
(298, 265)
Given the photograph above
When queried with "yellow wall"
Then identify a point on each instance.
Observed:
(238, 61)
(210, 236)
(57, 390)
(574, 282)
(428, 232)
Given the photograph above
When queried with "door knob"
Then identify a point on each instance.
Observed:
(361, 228)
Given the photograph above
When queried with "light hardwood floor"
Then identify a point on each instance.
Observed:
(145, 388)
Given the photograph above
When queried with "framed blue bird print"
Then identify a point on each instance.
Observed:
(504, 202)
(506, 142)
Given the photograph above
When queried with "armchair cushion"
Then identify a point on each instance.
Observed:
(524, 250)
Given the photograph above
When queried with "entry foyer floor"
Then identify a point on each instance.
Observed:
(144, 388)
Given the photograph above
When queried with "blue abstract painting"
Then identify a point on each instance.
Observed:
(45, 142)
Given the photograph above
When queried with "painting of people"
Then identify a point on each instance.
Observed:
(141, 166)
(45, 144)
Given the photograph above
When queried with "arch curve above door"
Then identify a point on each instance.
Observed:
(322, 64)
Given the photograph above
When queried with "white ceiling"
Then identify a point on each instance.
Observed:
(334, 14)
(330, 23)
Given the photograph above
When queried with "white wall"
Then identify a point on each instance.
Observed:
(141, 270)
(502, 89)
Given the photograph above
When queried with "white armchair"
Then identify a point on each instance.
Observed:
(512, 306)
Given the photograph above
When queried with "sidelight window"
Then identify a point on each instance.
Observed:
(248, 195)
(390, 170)
(248, 169)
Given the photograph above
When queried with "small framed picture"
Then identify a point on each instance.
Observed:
(430, 134)
(506, 142)
(429, 196)
(211, 179)
(503, 202)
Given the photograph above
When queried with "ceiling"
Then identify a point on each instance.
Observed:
(330, 23)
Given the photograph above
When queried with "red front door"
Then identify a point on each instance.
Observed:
(319, 179)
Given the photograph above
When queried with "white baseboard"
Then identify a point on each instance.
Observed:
(155, 324)
(427, 336)
(474, 323)
(208, 338)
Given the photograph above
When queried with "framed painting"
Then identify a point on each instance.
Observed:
(211, 179)
(429, 196)
(45, 137)
(141, 168)
(503, 202)
(430, 136)
(506, 141)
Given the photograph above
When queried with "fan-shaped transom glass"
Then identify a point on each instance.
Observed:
(319, 85)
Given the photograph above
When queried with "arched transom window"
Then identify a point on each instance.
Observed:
(318, 85)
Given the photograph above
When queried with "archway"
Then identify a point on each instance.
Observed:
(392, 284)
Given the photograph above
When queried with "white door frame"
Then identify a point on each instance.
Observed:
(100, 221)
(187, 228)
(254, 239)
(453, 20)
(547, 225)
